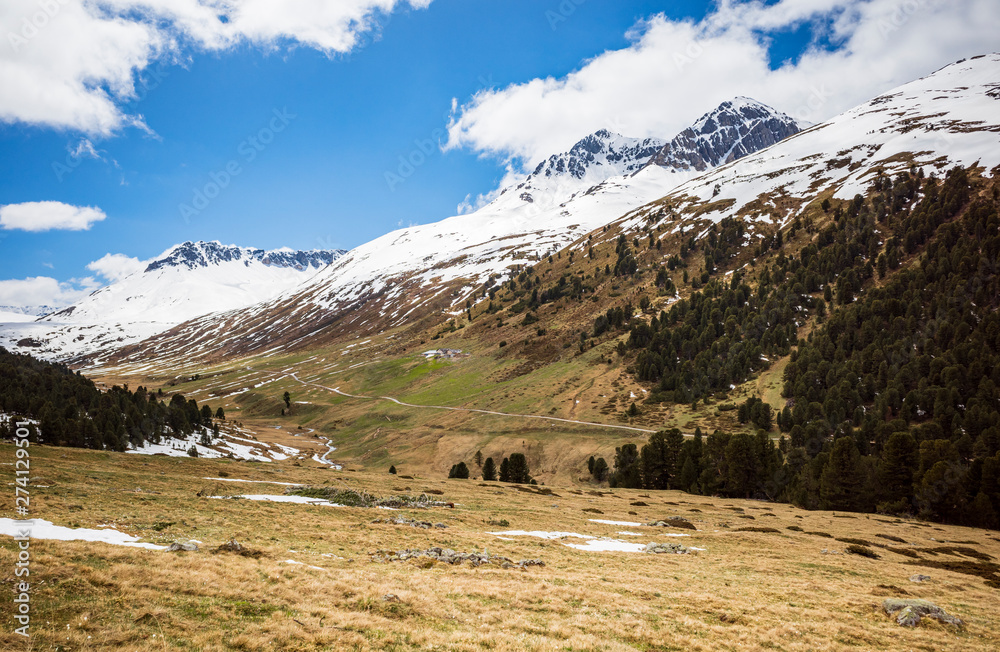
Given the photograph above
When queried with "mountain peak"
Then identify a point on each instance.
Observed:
(732, 130)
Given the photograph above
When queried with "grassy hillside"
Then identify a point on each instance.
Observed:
(747, 590)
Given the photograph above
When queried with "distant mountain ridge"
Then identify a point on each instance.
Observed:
(186, 281)
(410, 274)
(204, 254)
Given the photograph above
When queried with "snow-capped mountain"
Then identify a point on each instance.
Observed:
(730, 132)
(186, 281)
(948, 118)
(408, 274)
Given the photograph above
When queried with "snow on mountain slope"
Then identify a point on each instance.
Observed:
(186, 281)
(948, 118)
(9, 316)
(408, 274)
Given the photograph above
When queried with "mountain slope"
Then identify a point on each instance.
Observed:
(186, 281)
(951, 117)
(412, 273)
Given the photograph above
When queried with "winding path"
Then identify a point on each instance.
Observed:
(336, 390)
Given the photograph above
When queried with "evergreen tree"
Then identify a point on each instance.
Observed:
(392, 469)
(459, 471)
(841, 481)
(489, 470)
(627, 472)
(600, 472)
(519, 469)
(505, 470)
(894, 476)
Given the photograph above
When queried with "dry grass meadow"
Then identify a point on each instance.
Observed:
(772, 590)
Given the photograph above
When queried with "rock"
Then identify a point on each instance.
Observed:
(177, 546)
(431, 555)
(668, 548)
(235, 547)
(920, 578)
(674, 521)
(391, 597)
(909, 612)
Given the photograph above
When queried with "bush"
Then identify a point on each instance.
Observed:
(863, 551)
(460, 471)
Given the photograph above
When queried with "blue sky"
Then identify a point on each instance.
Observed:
(312, 131)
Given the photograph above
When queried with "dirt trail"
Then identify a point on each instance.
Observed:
(336, 390)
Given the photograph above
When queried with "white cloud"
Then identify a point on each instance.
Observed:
(115, 267)
(44, 291)
(48, 215)
(674, 71)
(71, 64)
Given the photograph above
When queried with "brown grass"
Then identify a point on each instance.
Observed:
(746, 591)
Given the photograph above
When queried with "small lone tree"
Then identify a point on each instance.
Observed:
(478, 459)
(392, 470)
(600, 470)
(489, 470)
(459, 471)
(288, 400)
(220, 414)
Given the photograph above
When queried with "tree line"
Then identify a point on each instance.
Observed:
(70, 410)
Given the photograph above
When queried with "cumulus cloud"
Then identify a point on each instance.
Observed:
(71, 64)
(675, 70)
(115, 267)
(40, 291)
(47, 216)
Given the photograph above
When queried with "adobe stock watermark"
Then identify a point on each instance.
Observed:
(32, 25)
(423, 148)
(809, 110)
(562, 12)
(248, 150)
(22, 538)
(900, 16)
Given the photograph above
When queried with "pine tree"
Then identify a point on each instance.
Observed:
(505, 470)
(627, 469)
(459, 471)
(600, 472)
(841, 481)
(392, 469)
(489, 470)
(894, 476)
(478, 459)
(519, 469)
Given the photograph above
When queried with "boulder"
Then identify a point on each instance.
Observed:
(909, 612)
(666, 548)
(675, 522)
(920, 578)
(177, 546)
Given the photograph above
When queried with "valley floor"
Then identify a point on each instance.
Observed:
(318, 583)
